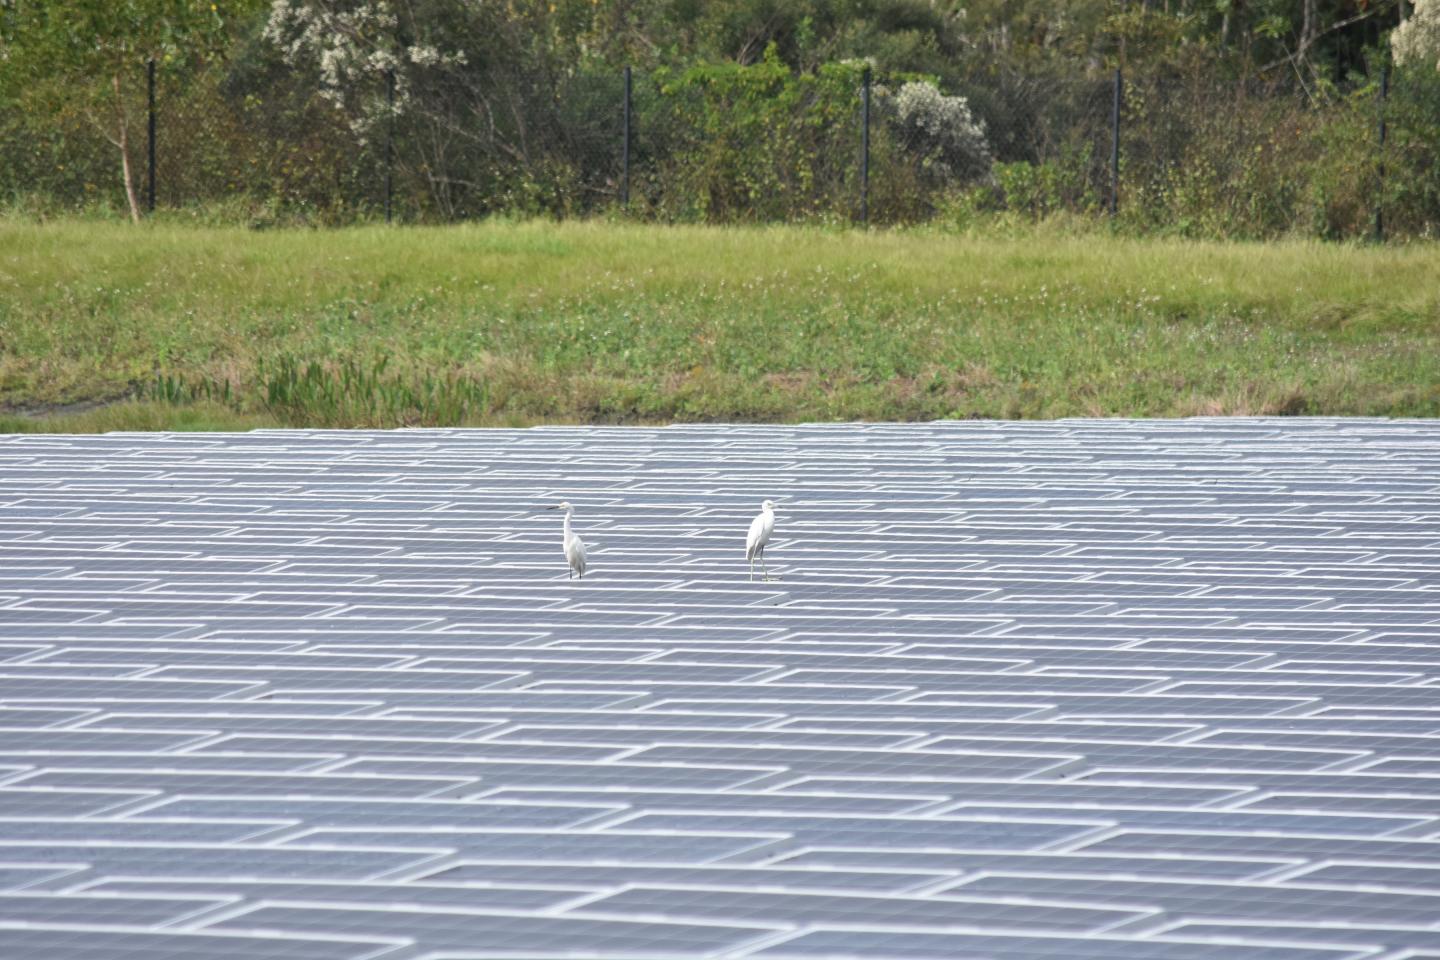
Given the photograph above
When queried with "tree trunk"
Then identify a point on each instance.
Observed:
(1309, 29)
(122, 123)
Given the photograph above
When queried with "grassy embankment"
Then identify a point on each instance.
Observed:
(107, 326)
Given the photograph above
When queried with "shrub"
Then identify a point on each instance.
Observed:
(941, 134)
(1416, 42)
(730, 143)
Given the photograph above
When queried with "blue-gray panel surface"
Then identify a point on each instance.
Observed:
(1081, 690)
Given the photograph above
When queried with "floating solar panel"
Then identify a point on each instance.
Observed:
(1078, 690)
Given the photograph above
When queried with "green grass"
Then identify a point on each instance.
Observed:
(108, 326)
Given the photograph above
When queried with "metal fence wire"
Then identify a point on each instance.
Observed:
(1181, 153)
(227, 134)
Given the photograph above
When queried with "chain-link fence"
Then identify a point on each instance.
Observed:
(230, 134)
(1196, 155)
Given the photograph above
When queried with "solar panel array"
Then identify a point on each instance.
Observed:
(1083, 690)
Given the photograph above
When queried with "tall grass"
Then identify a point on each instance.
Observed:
(504, 323)
(343, 392)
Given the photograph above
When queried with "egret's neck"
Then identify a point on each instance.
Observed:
(567, 525)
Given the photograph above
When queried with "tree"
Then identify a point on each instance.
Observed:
(942, 131)
(1417, 40)
(93, 54)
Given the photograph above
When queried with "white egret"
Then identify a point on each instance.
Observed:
(760, 530)
(574, 546)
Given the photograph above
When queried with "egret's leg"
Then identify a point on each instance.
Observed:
(752, 568)
(764, 573)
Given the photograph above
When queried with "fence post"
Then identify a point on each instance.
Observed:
(150, 143)
(1115, 144)
(625, 146)
(389, 140)
(865, 147)
(1380, 178)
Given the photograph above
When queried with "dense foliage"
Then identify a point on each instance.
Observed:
(1241, 118)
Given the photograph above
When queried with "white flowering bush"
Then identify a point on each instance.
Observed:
(490, 109)
(942, 131)
(352, 47)
(1417, 40)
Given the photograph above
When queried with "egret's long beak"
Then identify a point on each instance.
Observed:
(553, 506)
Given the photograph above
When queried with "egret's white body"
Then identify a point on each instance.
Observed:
(574, 546)
(760, 529)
